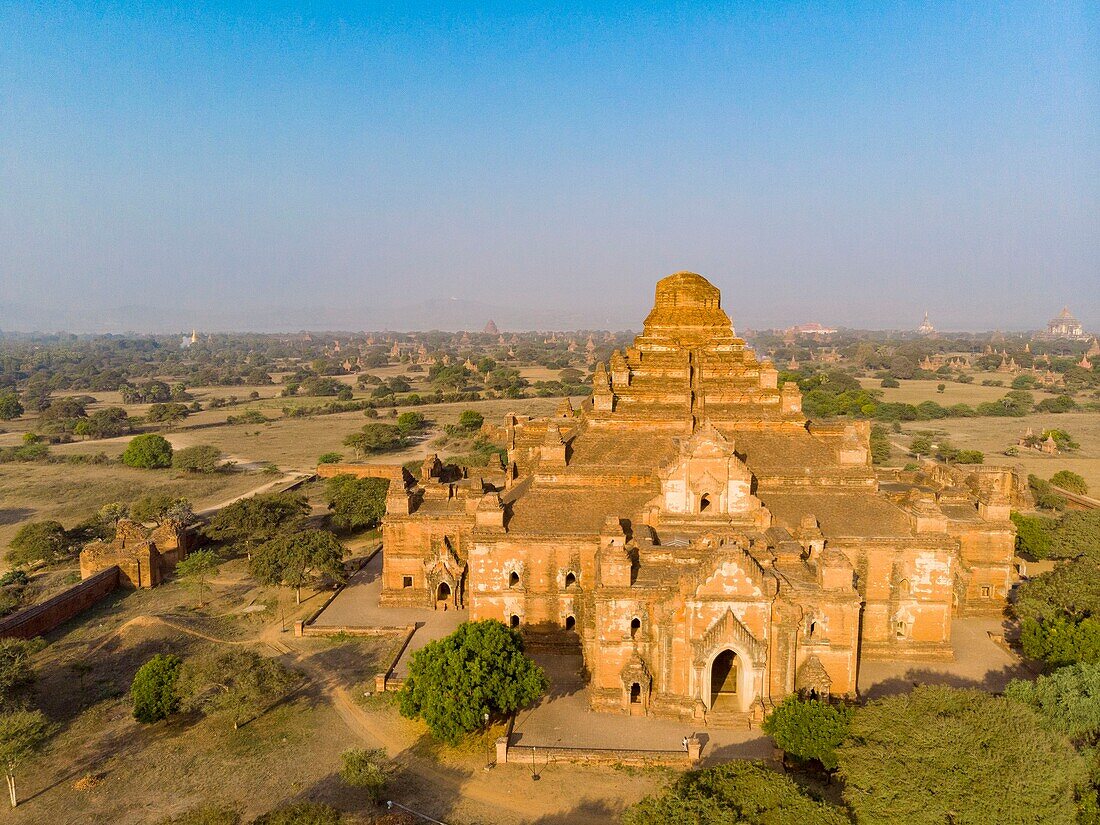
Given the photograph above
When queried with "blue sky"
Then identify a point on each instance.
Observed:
(358, 165)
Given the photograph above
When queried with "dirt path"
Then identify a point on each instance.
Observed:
(499, 791)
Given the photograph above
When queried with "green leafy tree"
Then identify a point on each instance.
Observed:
(970, 457)
(22, 734)
(1061, 641)
(301, 813)
(409, 423)
(366, 769)
(252, 521)
(298, 559)
(1070, 481)
(37, 541)
(170, 413)
(237, 683)
(809, 729)
(201, 458)
(1069, 699)
(153, 690)
(940, 755)
(480, 668)
(330, 458)
(159, 507)
(10, 408)
(734, 793)
(148, 452)
(375, 438)
(199, 566)
(356, 502)
(16, 667)
(1033, 535)
(880, 445)
(471, 420)
(1070, 590)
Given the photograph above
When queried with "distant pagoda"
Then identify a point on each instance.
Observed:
(926, 327)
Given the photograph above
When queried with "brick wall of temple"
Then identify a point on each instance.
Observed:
(42, 618)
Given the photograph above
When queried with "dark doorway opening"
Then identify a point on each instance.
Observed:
(723, 677)
(443, 592)
(513, 580)
(635, 626)
(704, 502)
(635, 694)
(570, 623)
(514, 621)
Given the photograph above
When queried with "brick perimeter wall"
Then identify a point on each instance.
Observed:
(42, 618)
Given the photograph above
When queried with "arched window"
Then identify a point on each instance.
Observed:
(704, 502)
(635, 694)
(514, 621)
(570, 579)
(900, 629)
(635, 626)
(903, 587)
(812, 628)
(570, 622)
(513, 579)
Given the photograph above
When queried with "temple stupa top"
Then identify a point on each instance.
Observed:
(687, 313)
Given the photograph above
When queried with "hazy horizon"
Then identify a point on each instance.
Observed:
(263, 167)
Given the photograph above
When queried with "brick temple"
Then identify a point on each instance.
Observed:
(708, 548)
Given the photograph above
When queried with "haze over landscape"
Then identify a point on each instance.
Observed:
(247, 167)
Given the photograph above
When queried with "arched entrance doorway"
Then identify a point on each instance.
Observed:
(725, 673)
(443, 592)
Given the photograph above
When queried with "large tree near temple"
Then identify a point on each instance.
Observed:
(941, 755)
(479, 669)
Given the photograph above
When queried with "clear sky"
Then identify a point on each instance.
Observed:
(275, 165)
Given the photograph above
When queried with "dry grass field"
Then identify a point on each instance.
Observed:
(993, 435)
(72, 493)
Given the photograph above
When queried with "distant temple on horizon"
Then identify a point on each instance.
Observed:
(926, 327)
(1065, 326)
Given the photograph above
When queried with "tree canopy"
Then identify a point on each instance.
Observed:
(37, 541)
(356, 502)
(809, 728)
(480, 668)
(22, 732)
(1069, 699)
(734, 793)
(236, 682)
(257, 519)
(940, 754)
(296, 559)
(153, 690)
(149, 451)
(201, 458)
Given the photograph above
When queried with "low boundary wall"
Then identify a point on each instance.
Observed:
(56, 610)
(538, 757)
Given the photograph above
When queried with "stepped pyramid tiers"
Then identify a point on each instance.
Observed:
(707, 548)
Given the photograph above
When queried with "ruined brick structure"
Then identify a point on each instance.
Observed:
(710, 550)
(143, 555)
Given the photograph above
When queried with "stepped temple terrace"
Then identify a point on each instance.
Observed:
(708, 548)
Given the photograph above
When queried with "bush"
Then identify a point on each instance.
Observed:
(890, 383)
(202, 458)
(37, 541)
(366, 769)
(330, 458)
(970, 457)
(471, 420)
(1070, 481)
(809, 729)
(153, 690)
(148, 452)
